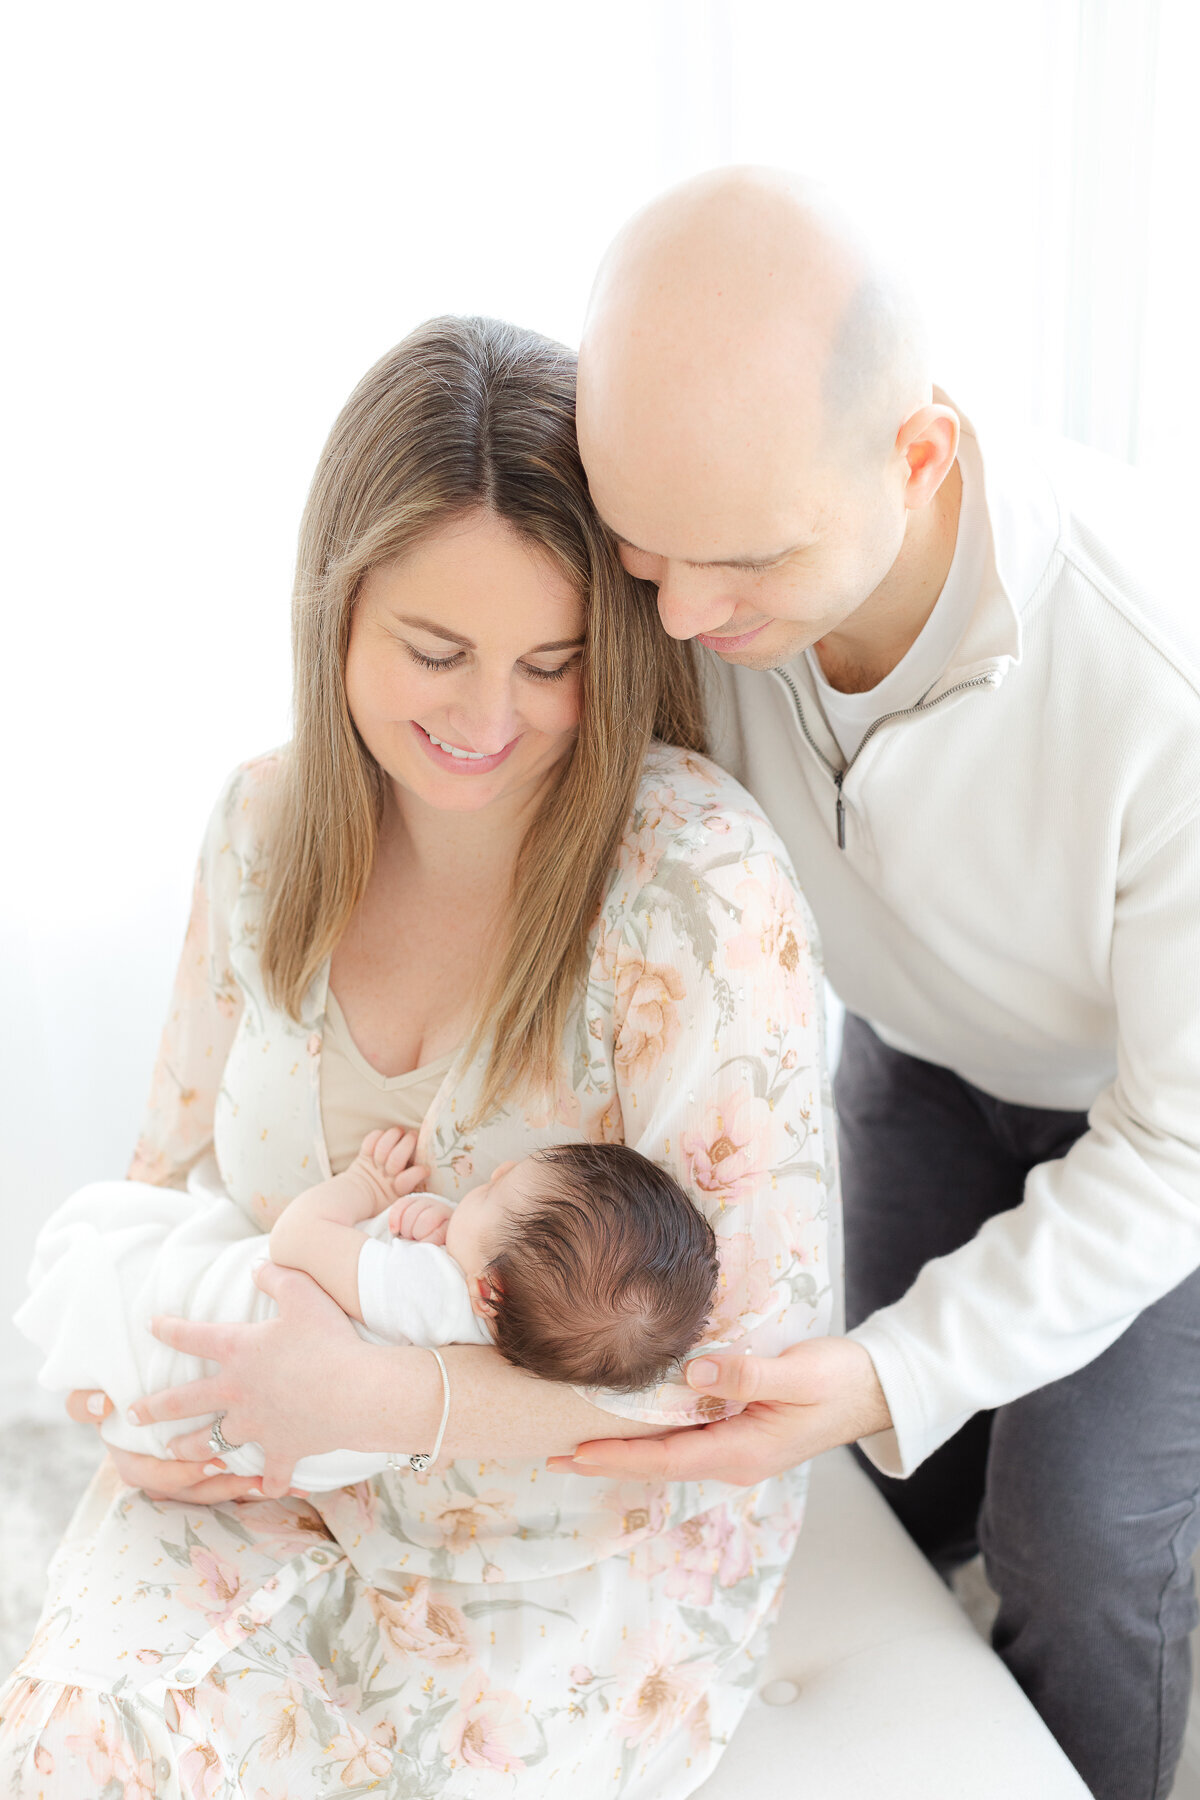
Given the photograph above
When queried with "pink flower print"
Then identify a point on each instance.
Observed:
(637, 1510)
(96, 1747)
(703, 1553)
(658, 1692)
(581, 1675)
(286, 1528)
(488, 1730)
(728, 1156)
(647, 1008)
(463, 1167)
(744, 1285)
(43, 1762)
(421, 1623)
(469, 1520)
(363, 1760)
(772, 947)
(216, 1586)
(659, 814)
(287, 1723)
(201, 1771)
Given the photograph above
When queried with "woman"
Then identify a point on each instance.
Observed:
(475, 894)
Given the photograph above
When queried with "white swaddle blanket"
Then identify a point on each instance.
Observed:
(119, 1253)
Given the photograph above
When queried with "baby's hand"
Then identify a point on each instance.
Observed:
(421, 1219)
(383, 1171)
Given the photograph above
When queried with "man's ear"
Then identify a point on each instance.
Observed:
(928, 442)
(486, 1295)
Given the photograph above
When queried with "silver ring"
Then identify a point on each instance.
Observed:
(217, 1441)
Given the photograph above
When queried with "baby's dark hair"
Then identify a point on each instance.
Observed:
(610, 1278)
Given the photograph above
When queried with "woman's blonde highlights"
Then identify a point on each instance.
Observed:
(467, 413)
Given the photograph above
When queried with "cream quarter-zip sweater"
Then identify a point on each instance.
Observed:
(1016, 896)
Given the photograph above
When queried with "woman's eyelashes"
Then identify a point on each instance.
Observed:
(452, 662)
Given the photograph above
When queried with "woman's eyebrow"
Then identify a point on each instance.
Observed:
(455, 637)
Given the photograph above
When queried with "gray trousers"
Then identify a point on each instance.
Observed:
(1083, 1496)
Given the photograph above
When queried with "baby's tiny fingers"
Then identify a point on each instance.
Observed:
(385, 1143)
(409, 1180)
(401, 1153)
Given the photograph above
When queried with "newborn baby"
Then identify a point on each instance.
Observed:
(583, 1263)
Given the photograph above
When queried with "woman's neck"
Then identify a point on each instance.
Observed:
(451, 849)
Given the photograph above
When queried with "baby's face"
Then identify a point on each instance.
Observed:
(483, 1219)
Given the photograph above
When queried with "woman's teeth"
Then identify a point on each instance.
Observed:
(467, 755)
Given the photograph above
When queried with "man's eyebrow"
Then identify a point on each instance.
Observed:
(456, 637)
(722, 562)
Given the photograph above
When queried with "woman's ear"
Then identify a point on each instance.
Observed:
(486, 1295)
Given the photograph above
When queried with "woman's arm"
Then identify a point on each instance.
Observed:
(304, 1382)
(202, 1019)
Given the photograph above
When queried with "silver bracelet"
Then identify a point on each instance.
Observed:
(423, 1460)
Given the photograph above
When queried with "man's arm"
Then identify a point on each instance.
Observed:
(1041, 1290)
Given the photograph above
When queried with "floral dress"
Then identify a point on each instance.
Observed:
(492, 1628)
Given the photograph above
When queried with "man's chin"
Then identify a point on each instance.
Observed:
(772, 647)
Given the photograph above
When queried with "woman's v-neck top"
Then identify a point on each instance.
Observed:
(356, 1099)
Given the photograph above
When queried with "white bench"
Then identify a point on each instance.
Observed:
(877, 1686)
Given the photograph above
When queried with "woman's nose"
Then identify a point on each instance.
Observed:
(485, 717)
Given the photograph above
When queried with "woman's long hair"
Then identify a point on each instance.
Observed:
(467, 413)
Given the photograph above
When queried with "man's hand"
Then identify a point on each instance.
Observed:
(283, 1382)
(808, 1400)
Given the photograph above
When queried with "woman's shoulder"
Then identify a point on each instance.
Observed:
(244, 806)
(689, 810)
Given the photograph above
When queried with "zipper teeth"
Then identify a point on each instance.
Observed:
(906, 712)
(838, 776)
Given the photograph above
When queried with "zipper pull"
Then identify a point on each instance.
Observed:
(841, 810)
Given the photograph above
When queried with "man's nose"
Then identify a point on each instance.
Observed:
(688, 607)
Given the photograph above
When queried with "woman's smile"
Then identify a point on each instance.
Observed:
(457, 757)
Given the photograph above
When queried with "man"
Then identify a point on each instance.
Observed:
(980, 740)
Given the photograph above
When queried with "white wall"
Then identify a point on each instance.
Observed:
(224, 214)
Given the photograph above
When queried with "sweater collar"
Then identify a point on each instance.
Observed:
(1023, 521)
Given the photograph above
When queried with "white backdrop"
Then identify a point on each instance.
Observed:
(222, 215)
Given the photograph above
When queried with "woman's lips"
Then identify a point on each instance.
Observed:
(461, 765)
(724, 645)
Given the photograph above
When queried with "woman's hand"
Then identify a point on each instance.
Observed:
(797, 1405)
(283, 1383)
(161, 1480)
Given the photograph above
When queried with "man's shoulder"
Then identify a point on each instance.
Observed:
(1118, 546)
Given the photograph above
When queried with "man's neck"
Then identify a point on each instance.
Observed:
(868, 645)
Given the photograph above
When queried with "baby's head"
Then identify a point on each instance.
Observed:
(592, 1266)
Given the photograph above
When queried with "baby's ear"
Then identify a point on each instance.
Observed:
(485, 1295)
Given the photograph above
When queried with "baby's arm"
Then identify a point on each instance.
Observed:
(316, 1231)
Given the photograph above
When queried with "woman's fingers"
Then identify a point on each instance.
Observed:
(88, 1406)
(191, 1401)
(184, 1481)
(409, 1180)
(276, 1478)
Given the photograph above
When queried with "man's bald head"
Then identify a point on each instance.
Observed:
(746, 366)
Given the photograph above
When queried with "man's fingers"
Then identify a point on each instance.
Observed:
(744, 1378)
(649, 1458)
(732, 1450)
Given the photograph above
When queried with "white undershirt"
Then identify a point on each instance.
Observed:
(850, 716)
